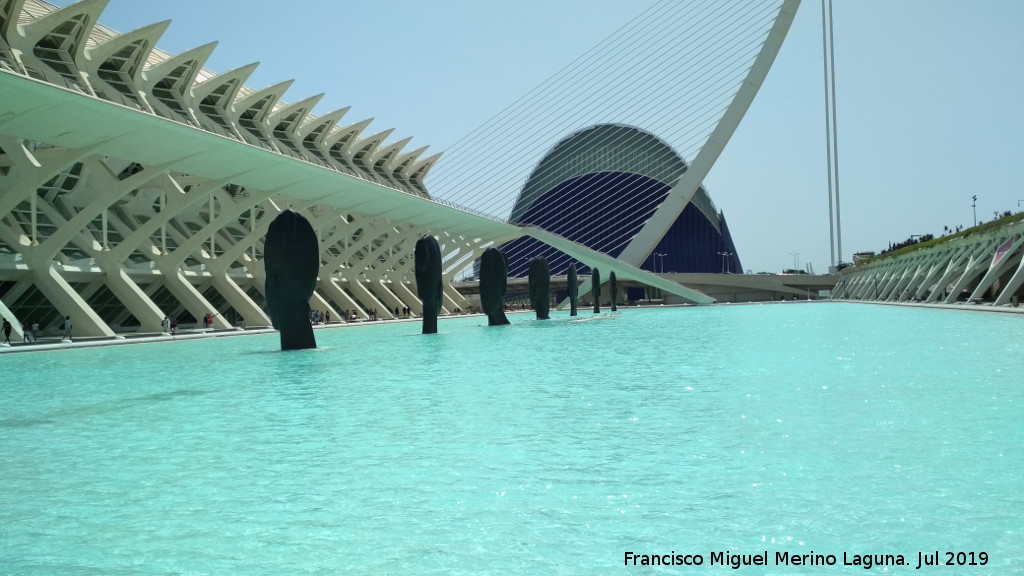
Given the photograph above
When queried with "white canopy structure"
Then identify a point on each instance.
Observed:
(135, 184)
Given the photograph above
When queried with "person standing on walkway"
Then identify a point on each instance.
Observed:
(7, 331)
(166, 325)
(67, 328)
(35, 331)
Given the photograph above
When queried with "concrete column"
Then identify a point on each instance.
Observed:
(68, 303)
(452, 298)
(134, 299)
(452, 295)
(892, 277)
(393, 292)
(385, 296)
(972, 270)
(995, 269)
(189, 296)
(16, 322)
(251, 313)
(936, 267)
(1006, 295)
(909, 273)
(338, 296)
(368, 298)
(955, 266)
(318, 302)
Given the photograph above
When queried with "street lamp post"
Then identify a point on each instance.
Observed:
(974, 206)
(725, 256)
(655, 256)
(662, 256)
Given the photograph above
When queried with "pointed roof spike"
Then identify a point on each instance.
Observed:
(419, 170)
(389, 153)
(368, 144)
(351, 130)
(10, 12)
(208, 86)
(198, 56)
(99, 54)
(248, 101)
(404, 161)
(36, 30)
(306, 106)
(314, 124)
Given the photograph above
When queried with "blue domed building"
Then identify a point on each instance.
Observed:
(598, 187)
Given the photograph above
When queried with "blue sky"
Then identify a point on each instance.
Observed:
(929, 98)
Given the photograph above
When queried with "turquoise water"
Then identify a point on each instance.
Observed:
(536, 448)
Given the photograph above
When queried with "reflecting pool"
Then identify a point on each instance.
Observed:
(544, 447)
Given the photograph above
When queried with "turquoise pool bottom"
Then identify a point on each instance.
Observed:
(541, 447)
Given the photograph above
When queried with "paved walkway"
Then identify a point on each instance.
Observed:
(943, 306)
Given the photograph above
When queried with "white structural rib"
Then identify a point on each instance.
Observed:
(978, 267)
(683, 190)
(641, 246)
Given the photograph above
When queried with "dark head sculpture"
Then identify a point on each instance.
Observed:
(540, 287)
(493, 284)
(612, 289)
(595, 281)
(574, 288)
(291, 255)
(428, 281)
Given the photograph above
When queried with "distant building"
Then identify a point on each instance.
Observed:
(616, 176)
(862, 256)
